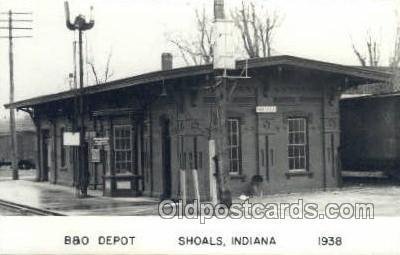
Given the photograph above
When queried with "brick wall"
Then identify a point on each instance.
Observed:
(294, 93)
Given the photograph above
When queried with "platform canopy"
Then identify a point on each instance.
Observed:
(355, 75)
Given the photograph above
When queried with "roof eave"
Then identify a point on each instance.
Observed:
(119, 84)
(368, 75)
(371, 75)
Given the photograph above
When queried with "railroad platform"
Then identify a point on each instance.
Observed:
(60, 199)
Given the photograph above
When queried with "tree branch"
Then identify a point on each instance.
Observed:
(259, 42)
(94, 73)
(199, 50)
(360, 57)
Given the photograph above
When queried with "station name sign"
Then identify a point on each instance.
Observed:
(101, 141)
(266, 109)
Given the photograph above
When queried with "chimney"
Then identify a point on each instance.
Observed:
(219, 9)
(166, 61)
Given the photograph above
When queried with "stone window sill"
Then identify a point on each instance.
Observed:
(292, 173)
(237, 176)
(63, 169)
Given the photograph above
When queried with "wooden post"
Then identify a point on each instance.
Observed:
(183, 185)
(196, 185)
(212, 177)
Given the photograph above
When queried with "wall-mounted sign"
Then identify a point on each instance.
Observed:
(266, 109)
(99, 141)
(71, 139)
(95, 155)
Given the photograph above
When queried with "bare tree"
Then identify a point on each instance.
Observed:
(106, 74)
(256, 29)
(371, 55)
(395, 61)
(199, 50)
(256, 32)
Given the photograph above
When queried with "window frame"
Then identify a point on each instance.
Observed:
(129, 160)
(304, 145)
(238, 146)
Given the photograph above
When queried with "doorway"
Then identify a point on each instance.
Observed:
(46, 150)
(166, 158)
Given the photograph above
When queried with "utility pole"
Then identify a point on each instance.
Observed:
(222, 98)
(10, 37)
(74, 59)
(81, 25)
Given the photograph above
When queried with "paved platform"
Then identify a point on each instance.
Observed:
(385, 196)
(61, 199)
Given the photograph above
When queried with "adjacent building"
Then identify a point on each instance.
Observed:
(26, 143)
(370, 133)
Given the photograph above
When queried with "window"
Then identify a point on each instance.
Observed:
(297, 147)
(63, 149)
(122, 149)
(234, 145)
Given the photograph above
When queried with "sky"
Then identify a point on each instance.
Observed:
(136, 32)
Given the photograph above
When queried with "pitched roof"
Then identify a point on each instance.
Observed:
(377, 68)
(362, 73)
(372, 96)
(371, 89)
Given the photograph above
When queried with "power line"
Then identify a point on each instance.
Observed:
(18, 36)
(17, 20)
(15, 28)
(22, 13)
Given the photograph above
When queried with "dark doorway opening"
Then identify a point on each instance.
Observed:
(166, 158)
(46, 150)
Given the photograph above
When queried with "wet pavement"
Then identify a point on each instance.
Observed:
(61, 199)
(385, 197)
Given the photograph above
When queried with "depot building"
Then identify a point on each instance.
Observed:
(282, 126)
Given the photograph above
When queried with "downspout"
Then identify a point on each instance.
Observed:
(323, 138)
(142, 170)
(178, 145)
(151, 149)
(54, 152)
(257, 134)
(38, 153)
